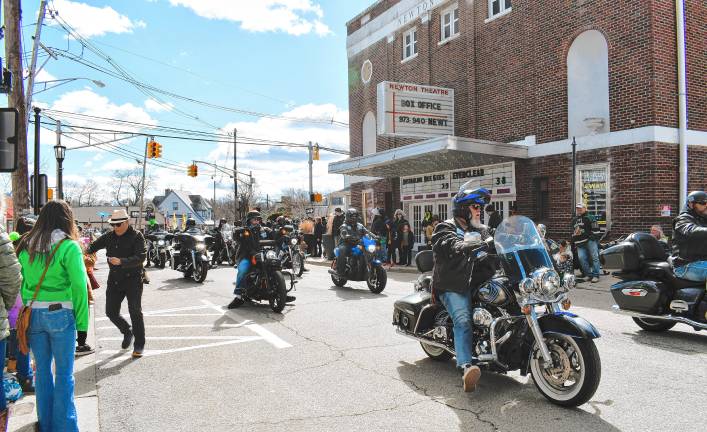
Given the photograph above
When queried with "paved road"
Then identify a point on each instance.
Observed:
(333, 362)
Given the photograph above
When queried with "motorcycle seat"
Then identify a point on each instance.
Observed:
(664, 269)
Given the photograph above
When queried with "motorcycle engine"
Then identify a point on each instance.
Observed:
(442, 329)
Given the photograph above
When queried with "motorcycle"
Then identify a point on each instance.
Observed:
(189, 255)
(362, 265)
(158, 251)
(520, 318)
(223, 248)
(291, 256)
(265, 280)
(649, 291)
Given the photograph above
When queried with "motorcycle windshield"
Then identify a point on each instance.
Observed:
(521, 248)
(227, 232)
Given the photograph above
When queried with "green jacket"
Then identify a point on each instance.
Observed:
(66, 280)
(10, 281)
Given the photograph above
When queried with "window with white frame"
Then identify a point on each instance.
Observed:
(450, 23)
(497, 7)
(410, 44)
(175, 205)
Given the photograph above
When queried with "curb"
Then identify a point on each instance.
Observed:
(23, 413)
(395, 269)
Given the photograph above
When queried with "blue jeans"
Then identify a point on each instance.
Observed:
(459, 308)
(52, 336)
(24, 370)
(589, 254)
(241, 272)
(3, 401)
(694, 271)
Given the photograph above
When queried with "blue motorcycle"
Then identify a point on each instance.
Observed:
(362, 265)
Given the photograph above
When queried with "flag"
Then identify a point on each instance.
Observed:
(184, 221)
(174, 220)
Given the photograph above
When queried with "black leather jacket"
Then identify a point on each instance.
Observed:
(451, 266)
(352, 234)
(689, 238)
(249, 244)
(130, 248)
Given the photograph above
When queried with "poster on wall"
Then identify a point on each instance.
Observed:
(594, 190)
(499, 179)
(415, 110)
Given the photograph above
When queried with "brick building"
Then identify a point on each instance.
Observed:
(444, 91)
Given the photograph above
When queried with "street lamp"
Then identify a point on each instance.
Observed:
(59, 153)
(58, 82)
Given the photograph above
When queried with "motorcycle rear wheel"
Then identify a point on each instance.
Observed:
(654, 325)
(199, 273)
(279, 299)
(578, 360)
(377, 279)
(297, 264)
(435, 353)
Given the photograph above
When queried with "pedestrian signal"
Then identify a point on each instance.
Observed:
(50, 194)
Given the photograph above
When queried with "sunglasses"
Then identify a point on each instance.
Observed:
(115, 225)
(475, 206)
(701, 202)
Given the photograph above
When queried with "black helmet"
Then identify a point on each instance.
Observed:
(697, 197)
(191, 223)
(351, 216)
(223, 221)
(253, 214)
(467, 196)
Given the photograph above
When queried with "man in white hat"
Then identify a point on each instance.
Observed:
(126, 251)
(585, 232)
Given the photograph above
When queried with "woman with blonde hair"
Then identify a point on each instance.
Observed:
(54, 286)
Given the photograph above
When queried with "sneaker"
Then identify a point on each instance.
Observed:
(594, 279)
(137, 352)
(236, 302)
(127, 340)
(471, 377)
(83, 350)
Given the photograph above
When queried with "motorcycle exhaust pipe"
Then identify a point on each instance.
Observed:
(426, 341)
(677, 319)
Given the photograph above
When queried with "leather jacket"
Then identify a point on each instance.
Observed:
(689, 238)
(131, 249)
(451, 266)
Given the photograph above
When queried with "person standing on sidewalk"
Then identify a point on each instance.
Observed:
(585, 231)
(10, 282)
(319, 229)
(51, 251)
(126, 251)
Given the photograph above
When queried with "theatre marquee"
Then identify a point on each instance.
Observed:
(415, 110)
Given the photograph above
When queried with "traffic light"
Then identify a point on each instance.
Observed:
(192, 170)
(50, 194)
(154, 150)
(158, 150)
(317, 197)
(315, 152)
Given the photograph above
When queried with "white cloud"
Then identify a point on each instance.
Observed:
(295, 17)
(92, 21)
(157, 107)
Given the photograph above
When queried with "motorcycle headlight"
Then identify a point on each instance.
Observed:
(526, 286)
(160, 242)
(570, 282)
(270, 255)
(200, 246)
(546, 282)
(293, 242)
(371, 248)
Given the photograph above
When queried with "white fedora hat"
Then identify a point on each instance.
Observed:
(118, 216)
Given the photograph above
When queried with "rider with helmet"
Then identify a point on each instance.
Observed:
(350, 233)
(690, 239)
(246, 249)
(190, 227)
(452, 241)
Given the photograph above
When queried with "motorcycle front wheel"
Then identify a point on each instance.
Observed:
(377, 279)
(199, 274)
(161, 262)
(575, 374)
(278, 299)
(297, 264)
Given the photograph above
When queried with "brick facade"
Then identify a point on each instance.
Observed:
(510, 81)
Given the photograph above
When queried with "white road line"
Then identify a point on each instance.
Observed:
(161, 311)
(177, 338)
(150, 353)
(267, 335)
(164, 315)
(169, 326)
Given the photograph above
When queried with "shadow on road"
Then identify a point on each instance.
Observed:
(179, 284)
(502, 402)
(345, 293)
(674, 341)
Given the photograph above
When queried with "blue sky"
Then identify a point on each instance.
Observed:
(283, 57)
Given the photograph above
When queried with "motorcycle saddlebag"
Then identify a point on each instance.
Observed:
(645, 296)
(624, 257)
(407, 310)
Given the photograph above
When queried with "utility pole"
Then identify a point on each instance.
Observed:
(59, 167)
(142, 184)
(235, 175)
(16, 99)
(35, 48)
(311, 187)
(213, 206)
(37, 131)
(574, 175)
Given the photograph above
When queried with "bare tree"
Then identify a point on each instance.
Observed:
(127, 185)
(295, 202)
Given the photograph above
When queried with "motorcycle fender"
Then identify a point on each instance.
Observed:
(376, 263)
(568, 324)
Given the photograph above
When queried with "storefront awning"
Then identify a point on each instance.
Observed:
(436, 154)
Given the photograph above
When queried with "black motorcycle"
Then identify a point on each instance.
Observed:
(158, 250)
(650, 292)
(223, 247)
(518, 316)
(265, 280)
(189, 255)
(287, 241)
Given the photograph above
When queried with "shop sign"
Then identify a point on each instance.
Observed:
(415, 110)
(499, 179)
(594, 190)
(665, 211)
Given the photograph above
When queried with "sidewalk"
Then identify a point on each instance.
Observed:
(23, 413)
(326, 263)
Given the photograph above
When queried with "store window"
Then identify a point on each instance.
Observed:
(369, 134)
(337, 201)
(450, 23)
(410, 44)
(588, 85)
(594, 190)
(498, 7)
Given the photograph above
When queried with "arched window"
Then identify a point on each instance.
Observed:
(588, 85)
(369, 134)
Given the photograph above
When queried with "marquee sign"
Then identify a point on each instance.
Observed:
(499, 179)
(415, 110)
